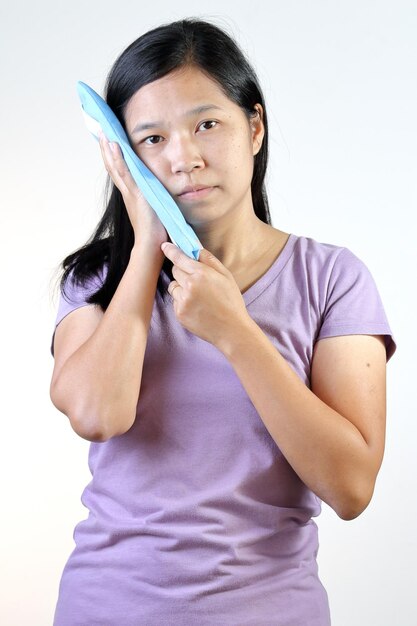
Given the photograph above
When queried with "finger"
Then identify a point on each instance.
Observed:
(116, 166)
(178, 257)
(106, 153)
(101, 142)
(179, 275)
(171, 287)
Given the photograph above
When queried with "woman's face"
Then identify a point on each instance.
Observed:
(182, 146)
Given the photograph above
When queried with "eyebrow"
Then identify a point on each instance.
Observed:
(197, 110)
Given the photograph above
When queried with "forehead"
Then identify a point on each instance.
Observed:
(175, 94)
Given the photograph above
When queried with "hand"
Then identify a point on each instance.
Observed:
(144, 220)
(207, 299)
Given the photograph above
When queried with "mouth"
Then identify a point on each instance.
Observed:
(196, 195)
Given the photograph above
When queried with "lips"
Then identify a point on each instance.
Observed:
(200, 194)
(193, 188)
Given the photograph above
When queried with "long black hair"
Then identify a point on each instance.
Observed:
(187, 42)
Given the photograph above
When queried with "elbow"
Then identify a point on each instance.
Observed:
(350, 511)
(90, 429)
(353, 503)
(100, 429)
(92, 435)
(86, 428)
(91, 422)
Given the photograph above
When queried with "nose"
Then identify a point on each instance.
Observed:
(185, 155)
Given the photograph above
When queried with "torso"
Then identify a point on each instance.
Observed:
(256, 267)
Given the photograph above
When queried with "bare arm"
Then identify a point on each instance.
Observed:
(97, 386)
(332, 435)
(99, 356)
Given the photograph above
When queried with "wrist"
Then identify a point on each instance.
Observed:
(237, 338)
(145, 251)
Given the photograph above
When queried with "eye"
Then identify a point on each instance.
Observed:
(159, 136)
(208, 122)
(151, 137)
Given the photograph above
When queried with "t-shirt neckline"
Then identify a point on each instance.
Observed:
(272, 272)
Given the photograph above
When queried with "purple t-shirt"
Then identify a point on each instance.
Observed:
(194, 515)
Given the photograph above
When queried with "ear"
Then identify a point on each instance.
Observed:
(257, 128)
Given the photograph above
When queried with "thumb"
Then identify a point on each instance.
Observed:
(209, 259)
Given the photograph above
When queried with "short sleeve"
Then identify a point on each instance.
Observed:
(353, 303)
(75, 297)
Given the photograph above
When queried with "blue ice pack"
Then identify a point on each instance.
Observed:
(98, 114)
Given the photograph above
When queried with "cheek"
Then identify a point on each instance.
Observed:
(154, 164)
(237, 160)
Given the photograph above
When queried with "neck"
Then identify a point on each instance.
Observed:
(234, 240)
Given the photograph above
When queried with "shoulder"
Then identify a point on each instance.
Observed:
(334, 269)
(343, 289)
(309, 250)
(78, 286)
(324, 264)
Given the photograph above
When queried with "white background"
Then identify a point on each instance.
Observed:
(341, 94)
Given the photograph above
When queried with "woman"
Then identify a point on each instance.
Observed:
(224, 398)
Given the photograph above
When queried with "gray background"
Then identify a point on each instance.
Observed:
(340, 85)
